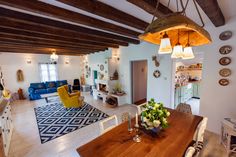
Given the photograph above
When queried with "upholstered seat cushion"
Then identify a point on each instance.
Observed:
(40, 91)
(37, 85)
(51, 84)
(61, 83)
(52, 90)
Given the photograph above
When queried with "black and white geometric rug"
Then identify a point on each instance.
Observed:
(54, 120)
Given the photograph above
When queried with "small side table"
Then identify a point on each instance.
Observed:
(228, 135)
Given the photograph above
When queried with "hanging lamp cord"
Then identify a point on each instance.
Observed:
(156, 10)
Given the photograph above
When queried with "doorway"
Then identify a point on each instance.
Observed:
(139, 81)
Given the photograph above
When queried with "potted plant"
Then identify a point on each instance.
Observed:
(154, 116)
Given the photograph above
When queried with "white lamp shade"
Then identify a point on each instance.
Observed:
(177, 51)
(165, 46)
(188, 53)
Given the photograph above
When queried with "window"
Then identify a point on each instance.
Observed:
(48, 72)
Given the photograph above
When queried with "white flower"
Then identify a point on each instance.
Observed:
(150, 124)
(156, 123)
(145, 119)
(168, 114)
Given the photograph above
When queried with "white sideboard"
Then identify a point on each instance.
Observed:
(6, 124)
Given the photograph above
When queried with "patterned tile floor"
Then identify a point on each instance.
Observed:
(26, 141)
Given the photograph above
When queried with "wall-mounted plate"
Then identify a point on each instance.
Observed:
(225, 61)
(156, 73)
(225, 72)
(225, 35)
(226, 49)
(224, 82)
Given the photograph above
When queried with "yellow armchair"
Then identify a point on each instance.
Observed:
(73, 100)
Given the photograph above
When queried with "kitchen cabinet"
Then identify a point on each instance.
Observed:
(186, 92)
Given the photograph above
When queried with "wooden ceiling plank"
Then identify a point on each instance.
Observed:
(106, 11)
(213, 11)
(150, 7)
(56, 38)
(18, 20)
(57, 12)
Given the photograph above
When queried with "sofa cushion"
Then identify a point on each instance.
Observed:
(40, 91)
(51, 90)
(37, 85)
(50, 84)
(61, 83)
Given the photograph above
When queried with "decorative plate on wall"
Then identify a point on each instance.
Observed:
(156, 73)
(225, 35)
(225, 61)
(225, 72)
(223, 82)
(226, 49)
(101, 67)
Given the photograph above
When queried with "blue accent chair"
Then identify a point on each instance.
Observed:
(36, 89)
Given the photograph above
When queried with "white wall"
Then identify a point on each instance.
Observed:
(218, 102)
(157, 88)
(11, 62)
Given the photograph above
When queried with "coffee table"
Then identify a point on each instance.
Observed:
(49, 95)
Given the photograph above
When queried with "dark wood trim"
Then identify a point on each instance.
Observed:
(57, 12)
(45, 22)
(213, 11)
(36, 35)
(106, 11)
(150, 7)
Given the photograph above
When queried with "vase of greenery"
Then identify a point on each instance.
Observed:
(154, 116)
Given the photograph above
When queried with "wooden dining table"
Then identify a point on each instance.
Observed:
(170, 142)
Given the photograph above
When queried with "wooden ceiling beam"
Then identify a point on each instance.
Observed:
(20, 45)
(24, 37)
(44, 42)
(150, 7)
(106, 11)
(213, 11)
(44, 50)
(57, 12)
(24, 33)
(82, 32)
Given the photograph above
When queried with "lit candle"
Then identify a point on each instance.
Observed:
(136, 119)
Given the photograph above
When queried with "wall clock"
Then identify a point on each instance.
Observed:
(223, 82)
(225, 35)
(225, 61)
(225, 72)
(156, 73)
(226, 49)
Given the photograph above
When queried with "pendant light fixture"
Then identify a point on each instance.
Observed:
(165, 46)
(178, 50)
(54, 57)
(173, 22)
(188, 51)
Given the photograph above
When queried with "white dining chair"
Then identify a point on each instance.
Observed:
(199, 135)
(111, 122)
(140, 108)
(190, 152)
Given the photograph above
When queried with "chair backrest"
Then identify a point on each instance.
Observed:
(125, 116)
(190, 152)
(108, 121)
(140, 108)
(185, 108)
(76, 82)
(63, 93)
(199, 133)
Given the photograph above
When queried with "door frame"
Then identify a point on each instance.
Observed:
(131, 77)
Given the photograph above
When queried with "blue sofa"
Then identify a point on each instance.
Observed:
(36, 89)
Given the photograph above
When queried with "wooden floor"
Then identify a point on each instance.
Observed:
(26, 142)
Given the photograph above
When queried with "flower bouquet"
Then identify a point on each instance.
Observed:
(154, 116)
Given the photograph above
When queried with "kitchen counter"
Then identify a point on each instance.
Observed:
(189, 83)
